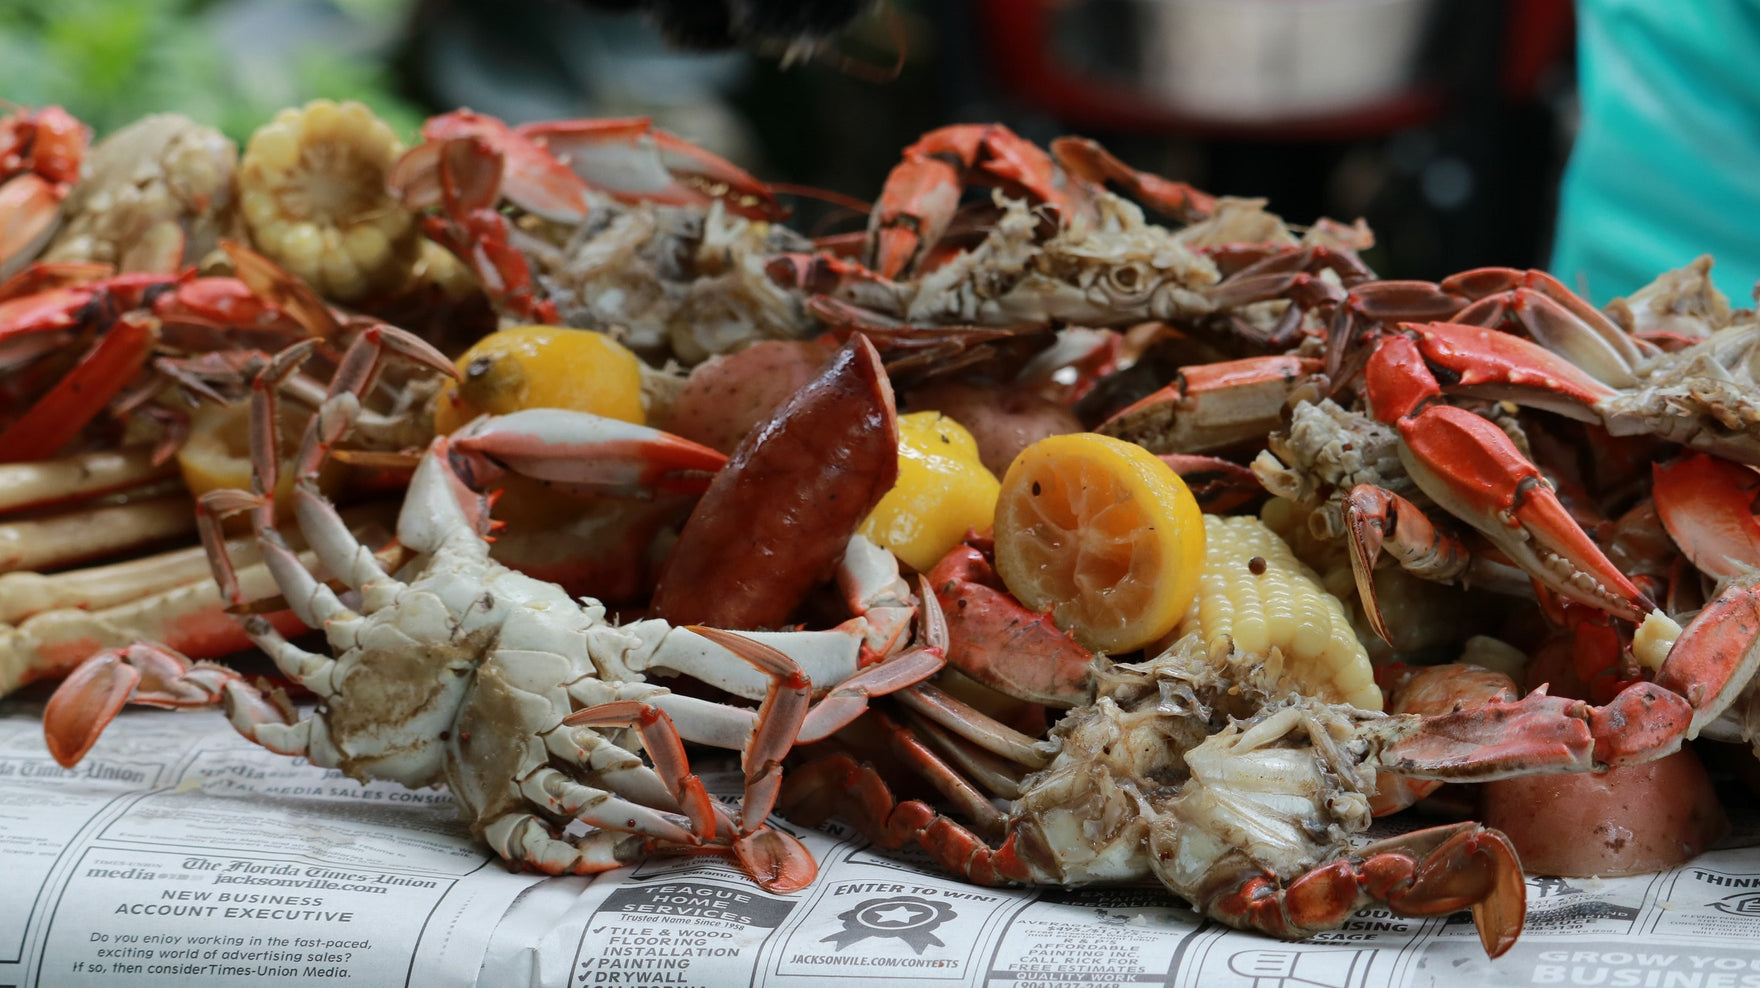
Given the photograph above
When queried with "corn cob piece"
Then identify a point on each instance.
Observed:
(1255, 590)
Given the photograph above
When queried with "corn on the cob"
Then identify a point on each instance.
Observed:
(311, 185)
(1256, 591)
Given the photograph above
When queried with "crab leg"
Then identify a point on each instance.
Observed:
(585, 453)
(1537, 734)
(1430, 872)
(552, 789)
(29, 485)
(874, 592)
(529, 176)
(78, 397)
(1213, 406)
(190, 618)
(140, 673)
(534, 841)
(1379, 519)
(1472, 469)
(1427, 691)
(845, 701)
(838, 786)
(972, 726)
(24, 593)
(1554, 315)
(630, 160)
(666, 749)
(1094, 164)
(77, 535)
(922, 191)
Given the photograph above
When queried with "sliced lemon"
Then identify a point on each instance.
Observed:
(942, 490)
(543, 367)
(217, 455)
(1104, 535)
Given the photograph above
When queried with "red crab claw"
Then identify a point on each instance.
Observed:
(44, 276)
(529, 176)
(273, 290)
(1379, 519)
(1094, 164)
(40, 155)
(30, 207)
(998, 642)
(1717, 656)
(464, 177)
(1473, 470)
(585, 453)
(89, 699)
(1430, 872)
(1537, 734)
(922, 191)
(1427, 691)
(50, 142)
(1486, 363)
(1554, 316)
(82, 393)
(1214, 406)
(36, 323)
(774, 523)
(1707, 505)
(632, 161)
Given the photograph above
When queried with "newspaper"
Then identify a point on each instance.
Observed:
(177, 853)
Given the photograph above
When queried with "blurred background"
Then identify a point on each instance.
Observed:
(1444, 123)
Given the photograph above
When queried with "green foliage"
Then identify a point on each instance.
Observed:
(110, 62)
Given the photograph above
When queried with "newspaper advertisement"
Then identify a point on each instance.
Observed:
(178, 853)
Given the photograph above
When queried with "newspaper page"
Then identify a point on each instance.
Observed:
(178, 853)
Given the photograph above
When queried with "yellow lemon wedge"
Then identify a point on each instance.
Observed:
(217, 455)
(542, 367)
(1104, 535)
(942, 490)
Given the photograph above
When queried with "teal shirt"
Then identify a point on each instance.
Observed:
(1666, 165)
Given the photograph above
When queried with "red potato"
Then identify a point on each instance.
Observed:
(1003, 420)
(726, 396)
(1628, 821)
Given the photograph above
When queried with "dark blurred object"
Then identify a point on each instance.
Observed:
(1337, 69)
(786, 27)
(1442, 122)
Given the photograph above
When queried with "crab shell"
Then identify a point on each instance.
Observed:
(153, 196)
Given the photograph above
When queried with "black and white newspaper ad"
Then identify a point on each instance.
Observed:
(178, 853)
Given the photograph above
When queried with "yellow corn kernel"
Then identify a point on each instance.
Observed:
(311, 186)
(1255, 590)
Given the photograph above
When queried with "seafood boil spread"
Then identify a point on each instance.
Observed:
(1070, 525)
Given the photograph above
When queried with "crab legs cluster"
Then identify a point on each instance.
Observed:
(469, 165)
(78, 340)
(452, 668)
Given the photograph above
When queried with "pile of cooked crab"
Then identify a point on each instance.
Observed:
(1069, 523)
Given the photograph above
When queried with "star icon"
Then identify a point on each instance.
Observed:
(897, 914)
